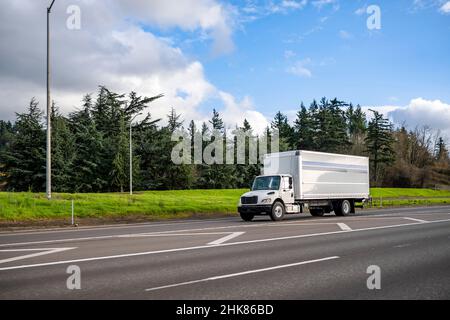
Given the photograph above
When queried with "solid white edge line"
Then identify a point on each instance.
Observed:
(226, 238)
(209, 247)
(415, 219)
(343, 226)
(242, 273)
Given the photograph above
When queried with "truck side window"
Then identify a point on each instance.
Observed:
(286, 183)
(290, 182)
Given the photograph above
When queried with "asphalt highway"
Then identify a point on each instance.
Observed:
(302, 257)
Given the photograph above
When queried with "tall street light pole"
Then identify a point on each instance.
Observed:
(131, 155)
(49, 112)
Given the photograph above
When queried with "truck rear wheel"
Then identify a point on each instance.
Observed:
(247, 216)
(317, 212)
(343, 208)
(277, 213)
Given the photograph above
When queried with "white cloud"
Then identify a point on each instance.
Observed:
(361, 11)
(322, 3)
(419, 112)
(384, 110)
(253, 10)
(445, 8)
(289, 54)
(208, 15)
(235, 112)
(294, 4)
(111, 49)
(345, 35)
(300, 69)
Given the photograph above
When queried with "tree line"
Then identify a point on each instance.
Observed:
(90, 147)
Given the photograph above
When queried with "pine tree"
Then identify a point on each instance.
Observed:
(204, 179)
(220, 175)
(217, 122)
(63, 152)
(149, 146)
(176, 176)
(379, 143)
(88, 142)
(303, 130)
(280, 123)
(357, 128)
(332, 129)
(245, 173)
(120, 165)
(173, 120)
(441, 151)
(24, 158)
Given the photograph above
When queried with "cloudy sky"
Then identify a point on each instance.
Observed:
(248, 59)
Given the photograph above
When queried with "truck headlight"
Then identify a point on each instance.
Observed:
(267, 200)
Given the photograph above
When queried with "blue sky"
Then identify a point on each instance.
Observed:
(407, 58)
(247, 58)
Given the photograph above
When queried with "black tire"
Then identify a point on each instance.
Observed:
(277, 213)
(316, 212)
(344, 208)
(247, 216)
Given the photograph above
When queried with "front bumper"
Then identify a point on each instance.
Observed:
(255, 209)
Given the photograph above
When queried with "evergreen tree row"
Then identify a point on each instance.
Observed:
(90, 147)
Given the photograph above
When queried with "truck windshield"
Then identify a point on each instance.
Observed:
(266, 183)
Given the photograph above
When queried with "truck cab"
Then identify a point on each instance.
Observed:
(272, 195)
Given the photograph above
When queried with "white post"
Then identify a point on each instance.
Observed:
(73, 222)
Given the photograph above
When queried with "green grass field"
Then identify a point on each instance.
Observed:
(155, 205)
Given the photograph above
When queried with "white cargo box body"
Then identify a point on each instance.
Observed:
(318, 175)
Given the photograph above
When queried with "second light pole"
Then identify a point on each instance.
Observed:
(49, 114)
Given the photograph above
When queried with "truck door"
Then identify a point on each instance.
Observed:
(287, 191)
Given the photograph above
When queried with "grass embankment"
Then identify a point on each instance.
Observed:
(407, 197)
(157, 205)
(146, 205)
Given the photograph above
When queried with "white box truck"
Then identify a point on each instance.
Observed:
(294, 180)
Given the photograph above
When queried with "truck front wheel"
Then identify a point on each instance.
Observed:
(247, 216)
(277, 213)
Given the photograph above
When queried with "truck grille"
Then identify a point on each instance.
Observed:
(249, 200)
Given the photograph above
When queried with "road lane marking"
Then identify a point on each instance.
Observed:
(403, 245)
(138, 235)
(110, 227)
(231, 275)
(226, 238)
(126, 255)
(365, 213)
(344, 227)
(251, 225)
(44, 251)
(415, 219)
